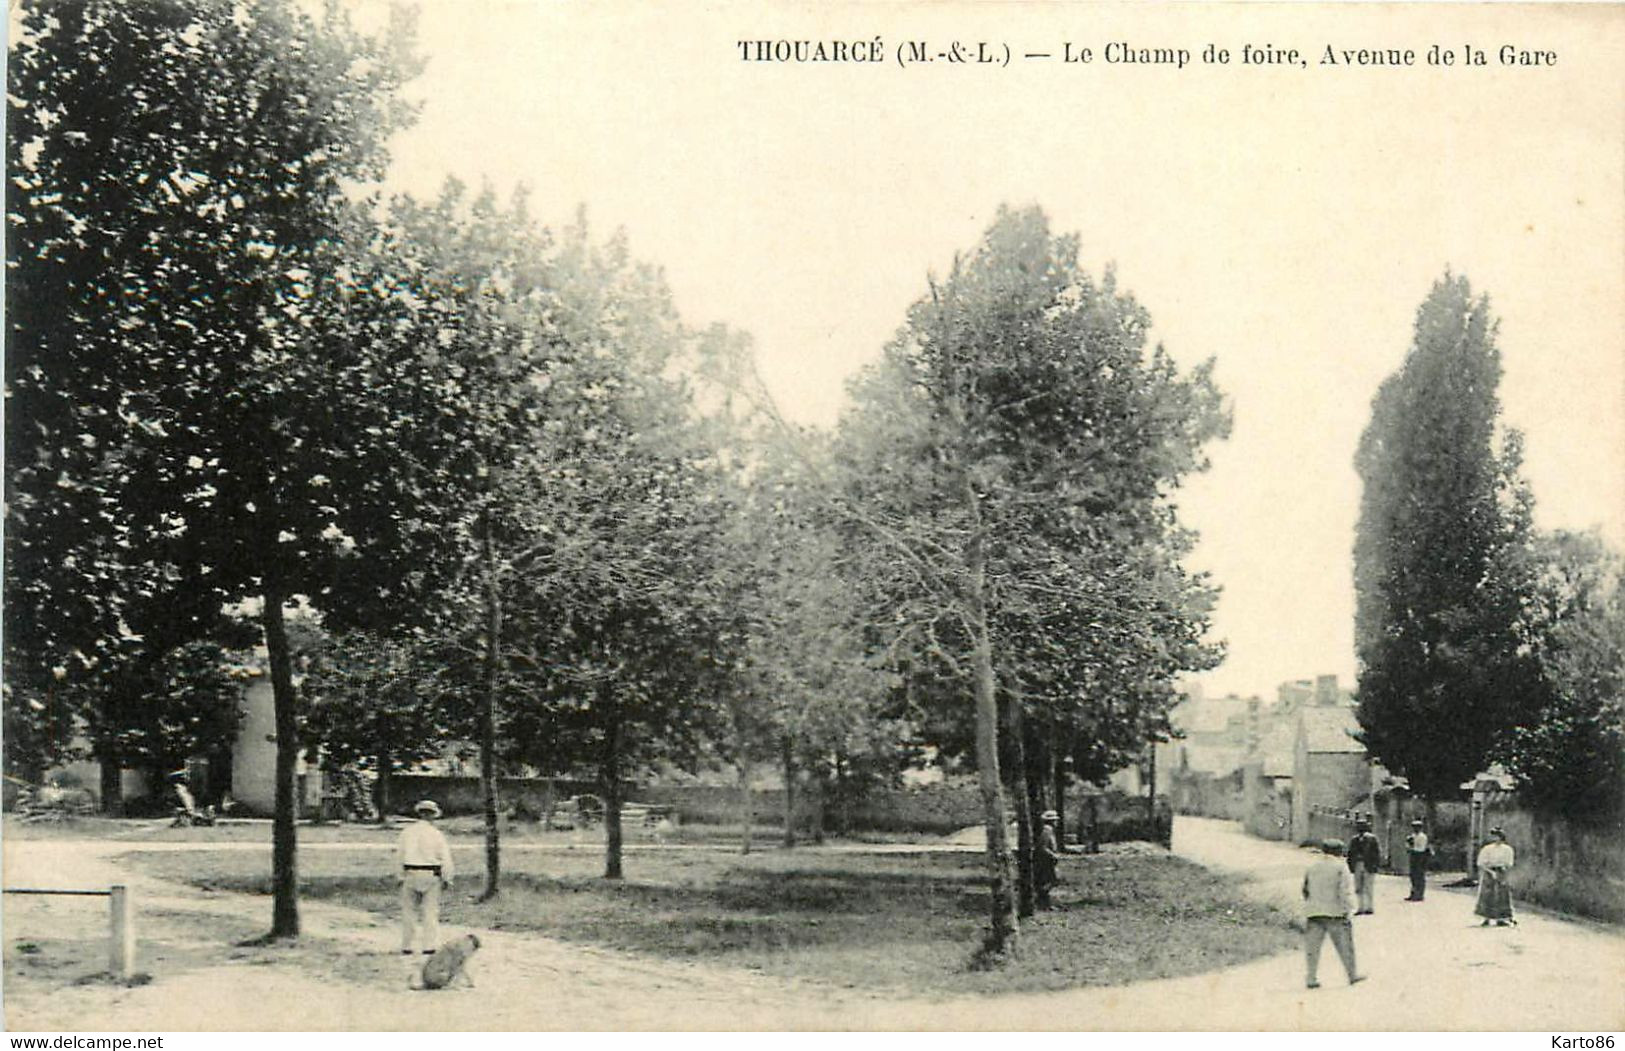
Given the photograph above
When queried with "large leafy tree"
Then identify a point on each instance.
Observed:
(808, 690)
(40, 727)
(374, 701)
(578, 627)
(179, 704)
(238, 398)
(1092, 679)
(1438, 579)
(1016, 427)
(486, 282)
(615, 619)
(804, 677)
(1567, 748)
(613, 624)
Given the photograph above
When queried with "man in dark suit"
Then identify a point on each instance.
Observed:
(1365, 857)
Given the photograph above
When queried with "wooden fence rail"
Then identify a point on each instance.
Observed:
(121, 921)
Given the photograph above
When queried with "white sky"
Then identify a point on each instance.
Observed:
(1286, 221)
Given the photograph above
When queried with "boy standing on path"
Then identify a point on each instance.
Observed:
(1328, 895)
(426, 869)
(1365, 857)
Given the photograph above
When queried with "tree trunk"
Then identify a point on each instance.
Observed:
(1151, 784)
(381, 785)
(284, 841)
(488, 720)
(788, 752)
(1035, 798)
(1038, 769)
(843, 797)
(747, 805)
(1003, 927)
(550, 794)
(1431, 808)
(111, 770)
(610, 773)
(1058, 779)
(1015, 744)
(112, 787)
(820, 805)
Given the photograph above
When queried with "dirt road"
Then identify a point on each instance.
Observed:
(1431, 965)
(1431, 968)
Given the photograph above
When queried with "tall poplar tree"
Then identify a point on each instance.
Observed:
(1438, 577)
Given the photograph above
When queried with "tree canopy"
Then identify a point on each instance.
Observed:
(190, 353)
(1010, 463)
(1439, 580)
(1567, 747)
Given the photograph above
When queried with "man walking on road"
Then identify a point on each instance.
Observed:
(426, 869)
(1418, 852)
(1365, 857)
(1328, 895)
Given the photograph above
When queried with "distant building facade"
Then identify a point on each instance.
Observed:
(1291, 757)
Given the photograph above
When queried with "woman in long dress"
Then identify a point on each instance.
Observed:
(1494, 897)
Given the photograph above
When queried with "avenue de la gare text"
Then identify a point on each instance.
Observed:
(876, 51)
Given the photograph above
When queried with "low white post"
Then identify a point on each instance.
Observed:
(122, 956)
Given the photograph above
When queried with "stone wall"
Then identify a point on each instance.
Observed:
(938, 808)
(1563, 864)
(1266, 806)
(930, 809)
(720, 804)
(463, 795)
(1327, 781)
(1205, 795)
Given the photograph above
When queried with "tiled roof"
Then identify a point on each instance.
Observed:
(1330, 729)
(1208, 716)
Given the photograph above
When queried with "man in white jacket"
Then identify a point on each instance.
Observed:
(426, 869)
(1328, 898)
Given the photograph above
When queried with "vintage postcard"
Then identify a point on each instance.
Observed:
(786, 516)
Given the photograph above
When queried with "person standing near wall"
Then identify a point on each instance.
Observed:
(1418, 852)
(1494, 895)
(1365, 857)
(426, 870)
(1328, 910)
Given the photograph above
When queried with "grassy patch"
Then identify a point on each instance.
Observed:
(172, 942)
(43, 963)
(875, 921)
(1593, 895)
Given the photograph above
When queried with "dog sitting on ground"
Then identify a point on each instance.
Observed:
(450, 963)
